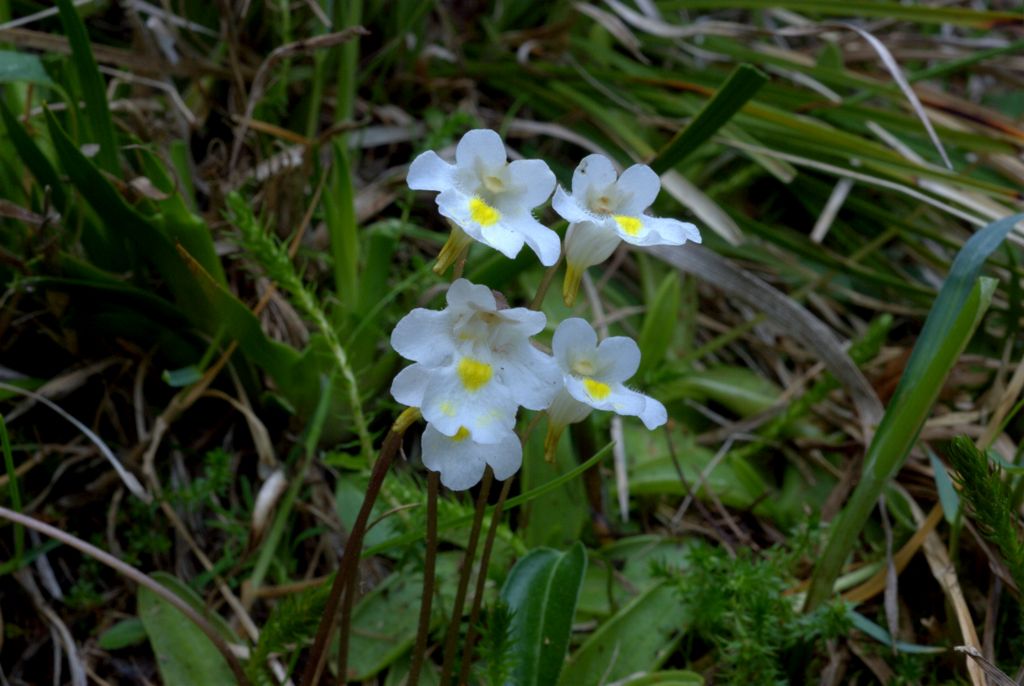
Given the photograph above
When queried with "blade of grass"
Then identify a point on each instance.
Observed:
(98, 120)
(742, 85)
(954, 316)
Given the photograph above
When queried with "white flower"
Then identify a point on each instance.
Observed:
(593, 377)
(603, 209)
(474, 364)
(488, 198)
(461, 460)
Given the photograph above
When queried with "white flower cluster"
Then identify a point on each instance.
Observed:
(474, 365)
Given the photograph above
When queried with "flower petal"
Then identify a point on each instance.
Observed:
(609, 397)
(595, 172)
(542, 240)
(618, 358)
(481, 147)
(423, 336)
(568, 208)
(664, 231)
(488, 411)
(533, 377)
(503, 238)
(521, 322)
(588, 243)
(654, 413)
(428, 172)
(637, 188)
(565, 409)
(410, 384)
(532, 180)
(505, 456)
(463, 293)
(573, 338)
(460, 463)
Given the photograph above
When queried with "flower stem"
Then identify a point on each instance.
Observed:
(429, 565)
(139, 578)
(481, 580)
(545, 283)
(467, 567)
(348, 568)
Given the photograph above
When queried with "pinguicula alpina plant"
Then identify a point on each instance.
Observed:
(474, 363)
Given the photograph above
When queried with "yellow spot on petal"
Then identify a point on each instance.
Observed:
(596, 389)
(474, 374)
(461, 435)
(482, 213)
(630, 225)
(447, 409)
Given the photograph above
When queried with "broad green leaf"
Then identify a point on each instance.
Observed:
(184, 654)
(671, 677)
(384, 621)
(22, 66)
(742, 85)
(624, 568)
(126, 633)
(635, 640)
(657, 332)
(97, 112)
(742, 390)
(733, 481)
(554, 519)
(542, 590)
(956, 313)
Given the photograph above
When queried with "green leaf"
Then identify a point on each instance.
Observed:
(94, 92)
(23, 67)
(742, 85)
(637, 639)
(124, 634)
(734, 481)
(742, 390)
(955, 314)
(656, 333)
(340, 218)
(876, 632)
(33, 158)
(185, 656)
(542, 590)
(670, 677)
(947, 492)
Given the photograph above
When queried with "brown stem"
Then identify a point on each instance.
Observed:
(139, 578)
(350, 558)
(545, 283)
(481, 580)
(429, 563)
(467, 567)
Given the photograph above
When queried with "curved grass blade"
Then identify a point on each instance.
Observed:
(98, 120)
(742, 85)
(951, 322)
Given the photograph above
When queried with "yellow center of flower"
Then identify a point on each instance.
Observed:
(596, 389)
(482, 213)
(474, 373)
(583, 367)
(630, 225)
(461, 435)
